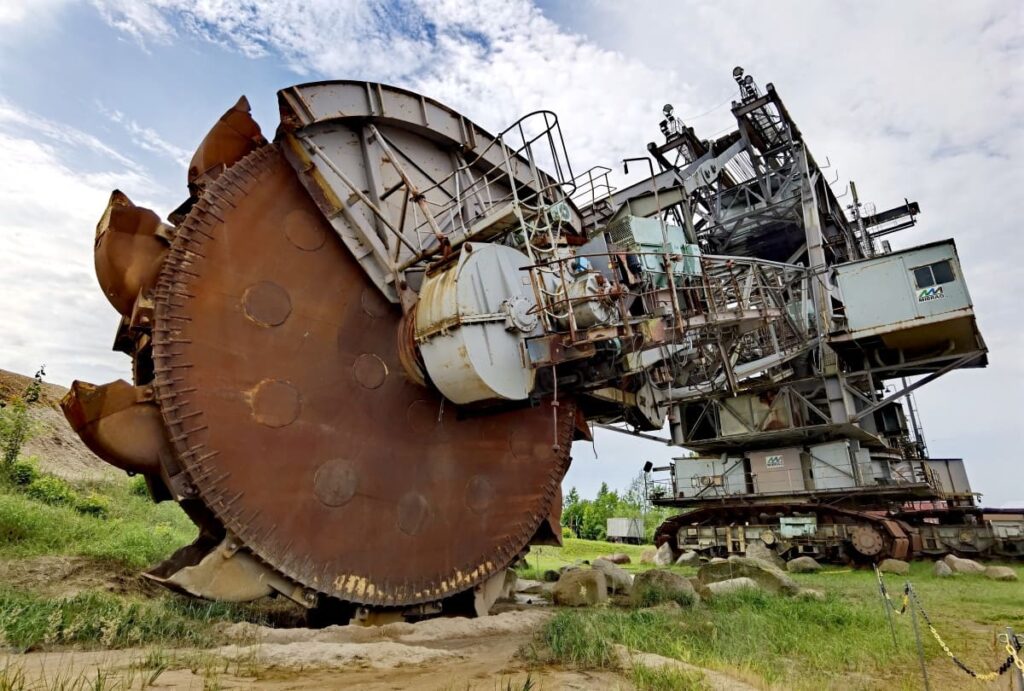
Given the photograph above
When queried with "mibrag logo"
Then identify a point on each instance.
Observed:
(933, 293)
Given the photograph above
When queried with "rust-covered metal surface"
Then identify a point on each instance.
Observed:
(271, 400)
(277, 373)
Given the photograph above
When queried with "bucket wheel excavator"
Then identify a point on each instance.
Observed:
(361, 351)
(278, 393)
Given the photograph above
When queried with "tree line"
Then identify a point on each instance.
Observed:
(588, 518)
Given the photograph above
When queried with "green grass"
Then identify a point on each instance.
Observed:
(130, 531)
(88, 620)
(842, 642)
(541, 559)
(667, 679)
(787, 642)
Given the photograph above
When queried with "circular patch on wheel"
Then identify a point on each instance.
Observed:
(413, 511)
(479, 494)
(335, 482)
(374, 304)
(275, 403)
(304, 231)
(267, 303)
(369, 370)
(369, 498)
(424, 417)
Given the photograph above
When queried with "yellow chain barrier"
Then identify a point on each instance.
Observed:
(1012, 650)
(1013, 657)
(1011, 660)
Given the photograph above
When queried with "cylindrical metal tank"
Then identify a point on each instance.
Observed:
(472, 321)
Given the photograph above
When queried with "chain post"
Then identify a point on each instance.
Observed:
(1017, 683)
(885, 604)
(917, 637)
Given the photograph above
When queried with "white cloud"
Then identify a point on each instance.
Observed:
(18, 11)
(53, 310)
(147, 138)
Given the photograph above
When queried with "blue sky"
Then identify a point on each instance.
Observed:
(915, 99)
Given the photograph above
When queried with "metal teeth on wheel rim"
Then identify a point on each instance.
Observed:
(278, 377)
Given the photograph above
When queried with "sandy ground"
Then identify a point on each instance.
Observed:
(435, 654)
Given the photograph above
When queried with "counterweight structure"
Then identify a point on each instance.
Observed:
(361, 352)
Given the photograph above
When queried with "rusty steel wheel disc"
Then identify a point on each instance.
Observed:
(278, 377)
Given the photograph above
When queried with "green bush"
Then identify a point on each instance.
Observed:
(51, 490)
(567, 532)
(94, 505)
(23, 473)
(137, 486)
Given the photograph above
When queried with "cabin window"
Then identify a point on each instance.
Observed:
(934, 274)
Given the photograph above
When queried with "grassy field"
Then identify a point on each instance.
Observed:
(841, 642)
(128, 535)
(133, 532)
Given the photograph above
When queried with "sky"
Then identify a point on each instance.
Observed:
(919, 100)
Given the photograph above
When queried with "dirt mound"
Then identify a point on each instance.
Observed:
(431, 630)
(304, 655)
(53, 442)
(57, 576)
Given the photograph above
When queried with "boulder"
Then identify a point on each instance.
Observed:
(647, 556)
(942, 570)
(770, 578)
(717, 560)
(758, 550)
(1001, 573)
(732, 585)
(581, 588)
(811, 594)
(665, 556)
(803, 565)
(619, 580)
(688, 558)
(896, 566)
(578, 564)
(656, 586)
(959, 565)
(525, 585)
(618, 558)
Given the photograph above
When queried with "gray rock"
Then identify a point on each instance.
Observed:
(581, 588)
(665, 556)
(618, 558)
(578, 564)
(656, 586)
(732, 585)
(959, 565)
(803, 565)
(525, 585)
(769, 577)
(688, 558)
(620, 582)
(942, 570)
(896, 566)
(1001, 573)
(717, 560)
(758, 550)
